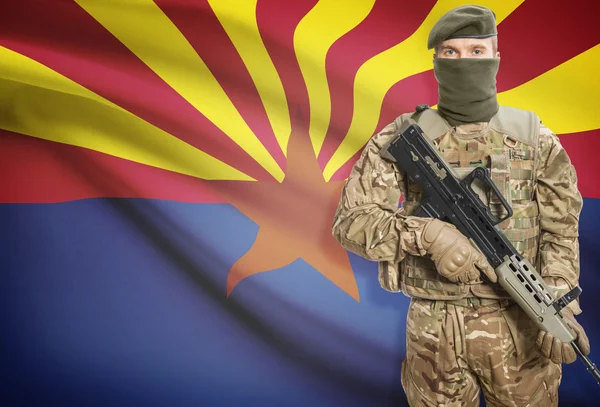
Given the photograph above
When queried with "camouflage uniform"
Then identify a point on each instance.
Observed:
(453, 349)
(463, 336)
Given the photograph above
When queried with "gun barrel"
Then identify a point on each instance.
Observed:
(591, 367)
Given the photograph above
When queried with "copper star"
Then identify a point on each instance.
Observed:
(294, 219)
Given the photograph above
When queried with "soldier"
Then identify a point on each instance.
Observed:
(464, 332)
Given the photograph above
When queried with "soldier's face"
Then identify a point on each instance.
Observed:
(467, 48)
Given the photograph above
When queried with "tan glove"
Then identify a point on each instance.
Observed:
(561, 352)
(453, 254)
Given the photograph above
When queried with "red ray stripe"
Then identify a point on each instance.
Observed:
(401, 98)
(41, 171)
(389, 23)
(405, 95)
(62, 36)
(582, 149)
(345, 169)
(277, 21)
(198, 23)
(539, 35)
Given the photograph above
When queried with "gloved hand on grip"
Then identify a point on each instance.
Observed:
(561, 352)
(453, 254)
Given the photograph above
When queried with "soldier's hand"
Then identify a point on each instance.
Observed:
(453, 254)
(561, 352)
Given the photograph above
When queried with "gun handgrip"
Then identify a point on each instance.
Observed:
(482, 174)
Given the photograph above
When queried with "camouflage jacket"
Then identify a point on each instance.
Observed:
(369, 222)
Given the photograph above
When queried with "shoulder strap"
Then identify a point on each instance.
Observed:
(434, 126)
(398, 121)
(520, 125)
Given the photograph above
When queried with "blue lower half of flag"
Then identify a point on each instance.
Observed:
(122, 302)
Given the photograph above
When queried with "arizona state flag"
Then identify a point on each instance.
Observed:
(169, 173)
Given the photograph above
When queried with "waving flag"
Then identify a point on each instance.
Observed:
(170, 171)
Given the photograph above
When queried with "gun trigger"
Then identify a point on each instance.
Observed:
(567, 298)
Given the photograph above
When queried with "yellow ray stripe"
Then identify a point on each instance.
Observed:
(314, 35)
(39, 102)
(376, 76)
(147, 32)
(238, 18)
(566, 97)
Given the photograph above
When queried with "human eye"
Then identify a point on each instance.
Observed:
(449, 52)
(477, 52)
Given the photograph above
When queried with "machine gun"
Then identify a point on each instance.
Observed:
(453, 200)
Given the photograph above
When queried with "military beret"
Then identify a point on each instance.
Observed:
(463, 22)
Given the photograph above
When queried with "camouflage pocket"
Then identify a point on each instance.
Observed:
(500, 167)
(547, 393)
(389, 276)
(521, 181)
(538, 392)
(519, 374)
(432, 375)
(523, 229)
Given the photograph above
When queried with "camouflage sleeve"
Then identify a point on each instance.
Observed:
(368, 221)
(560, 204)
